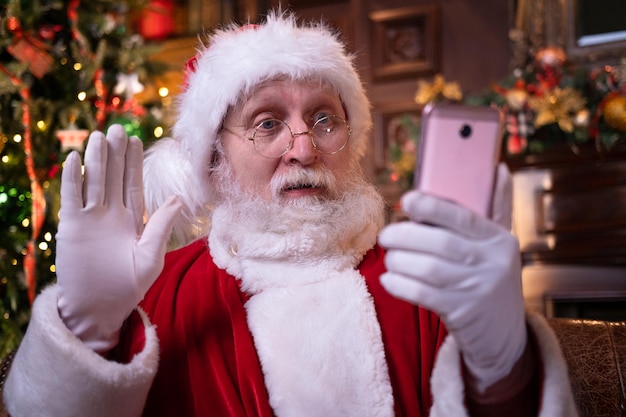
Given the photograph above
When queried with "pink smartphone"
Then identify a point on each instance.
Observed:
(458, 153)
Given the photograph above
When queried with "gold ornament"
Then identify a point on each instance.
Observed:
(516, 98)
(557, 106)
(615, 112)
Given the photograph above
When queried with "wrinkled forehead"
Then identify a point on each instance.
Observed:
(263, 93)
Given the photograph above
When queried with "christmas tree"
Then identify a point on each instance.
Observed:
(67, 67)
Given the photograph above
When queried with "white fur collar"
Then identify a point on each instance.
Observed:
(312, 318)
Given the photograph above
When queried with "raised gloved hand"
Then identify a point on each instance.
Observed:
(467, 269)
(106, 259)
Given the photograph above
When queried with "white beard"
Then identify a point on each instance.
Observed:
(311, 316)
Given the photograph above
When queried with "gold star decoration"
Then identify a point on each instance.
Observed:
(558, 105)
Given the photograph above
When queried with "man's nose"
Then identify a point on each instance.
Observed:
(302, 149)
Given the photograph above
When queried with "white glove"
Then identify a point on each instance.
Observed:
(467, 269)
(106, 260)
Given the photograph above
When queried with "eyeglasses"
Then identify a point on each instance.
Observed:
(273, 138)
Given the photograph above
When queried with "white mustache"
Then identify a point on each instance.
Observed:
(302, 178)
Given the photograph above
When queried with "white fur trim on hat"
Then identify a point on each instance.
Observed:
(234, 61)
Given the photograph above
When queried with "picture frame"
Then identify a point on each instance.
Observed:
(405, 42)
(392, 130)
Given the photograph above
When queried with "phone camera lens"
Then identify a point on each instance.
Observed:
(466, 131)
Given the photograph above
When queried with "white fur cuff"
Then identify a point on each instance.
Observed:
(557, 399)
(54, 374)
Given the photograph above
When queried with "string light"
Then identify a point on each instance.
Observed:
(25, 222)
(17, 138)
(82, 96)
(78, 66)
(5, 158)
(41, 125)
(164, 91)
(158, 131)
(43, 245)
(47, 236)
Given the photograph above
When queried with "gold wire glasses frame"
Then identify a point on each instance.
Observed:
(329, 134)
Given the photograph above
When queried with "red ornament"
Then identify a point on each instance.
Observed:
(13, 24)
(157, 20)
(48, 31)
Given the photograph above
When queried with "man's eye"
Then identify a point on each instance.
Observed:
(269, 129)
(268, 124)
(321, 118)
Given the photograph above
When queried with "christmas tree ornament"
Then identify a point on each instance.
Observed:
(131, 124)
(29, 50)
(615, 112)
(157, 20)
(72, 138)
(110, 23)
(551, 57)
(549, 62)
(48, 31)
(128, 84)
(582, 119)
(517, 97)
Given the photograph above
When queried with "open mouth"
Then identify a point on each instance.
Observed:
(294, 187)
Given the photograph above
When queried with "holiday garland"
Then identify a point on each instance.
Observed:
(547, 105)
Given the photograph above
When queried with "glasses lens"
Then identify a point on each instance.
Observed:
(331, 134)
(272, 138)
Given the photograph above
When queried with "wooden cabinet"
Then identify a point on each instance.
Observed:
(570, 217)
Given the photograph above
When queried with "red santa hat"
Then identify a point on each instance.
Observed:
(233, 62)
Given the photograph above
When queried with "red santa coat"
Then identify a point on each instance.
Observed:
(208, 362)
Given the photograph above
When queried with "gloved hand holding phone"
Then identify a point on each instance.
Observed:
(467, 269)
